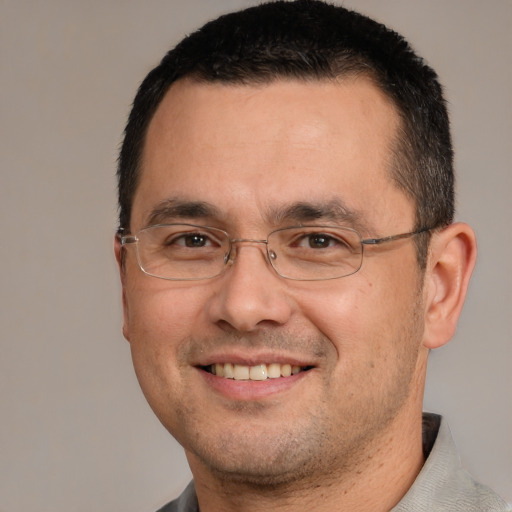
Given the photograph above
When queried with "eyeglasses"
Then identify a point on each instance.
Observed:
(186, 252)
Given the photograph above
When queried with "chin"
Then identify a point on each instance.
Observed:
(263, 474)
(270, 459)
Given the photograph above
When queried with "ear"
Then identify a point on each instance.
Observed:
(119, 254)
(451, 260)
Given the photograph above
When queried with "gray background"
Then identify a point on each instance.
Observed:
(75, 431)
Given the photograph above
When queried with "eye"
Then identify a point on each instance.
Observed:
(196, 240)
(192, 240)
(319, 241)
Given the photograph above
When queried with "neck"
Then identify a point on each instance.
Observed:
(388, 470)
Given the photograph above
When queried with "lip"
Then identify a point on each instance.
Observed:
(250, 390)
(252, 359)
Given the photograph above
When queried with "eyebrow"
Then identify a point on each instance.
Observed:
(174, 208)
(294, 213)
(334, 210)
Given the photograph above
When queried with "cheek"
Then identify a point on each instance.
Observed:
(362, 317)
(160, 314)
(159, 319)
(339, 310)
(159, 322)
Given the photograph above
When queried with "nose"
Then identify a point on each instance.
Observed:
(250, 295)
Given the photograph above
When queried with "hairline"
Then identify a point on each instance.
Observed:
(397, 153)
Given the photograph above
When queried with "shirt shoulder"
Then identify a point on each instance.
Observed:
(186, 502)
(443, 485)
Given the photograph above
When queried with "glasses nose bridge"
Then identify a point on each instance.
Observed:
(237, 241)
(248, 240)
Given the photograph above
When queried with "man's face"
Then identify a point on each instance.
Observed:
(248, 160)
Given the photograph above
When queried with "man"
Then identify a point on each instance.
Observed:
(288, 258)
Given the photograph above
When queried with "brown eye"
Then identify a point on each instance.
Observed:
(319, 241)
(190, 240)
(195, 240)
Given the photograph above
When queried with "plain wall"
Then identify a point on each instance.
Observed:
(75, 431)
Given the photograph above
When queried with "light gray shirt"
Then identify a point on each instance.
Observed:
(441, 486)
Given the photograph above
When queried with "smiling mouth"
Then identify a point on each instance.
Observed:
(258, 372)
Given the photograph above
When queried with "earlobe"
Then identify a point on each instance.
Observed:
(119, 254)
(452, 257)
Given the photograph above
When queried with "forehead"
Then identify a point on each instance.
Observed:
(251, 148)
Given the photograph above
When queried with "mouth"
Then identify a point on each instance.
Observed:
(257, 372)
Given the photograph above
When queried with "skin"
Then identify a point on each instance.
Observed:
(346, 433)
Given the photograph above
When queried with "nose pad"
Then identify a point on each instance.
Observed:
(231, 255)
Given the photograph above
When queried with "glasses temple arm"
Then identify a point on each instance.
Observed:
(125, 239)
(377, 241)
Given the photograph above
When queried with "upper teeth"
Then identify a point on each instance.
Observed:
(258, 372)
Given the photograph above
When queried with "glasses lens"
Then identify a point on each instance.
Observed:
(315, 252)
(182, 251)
